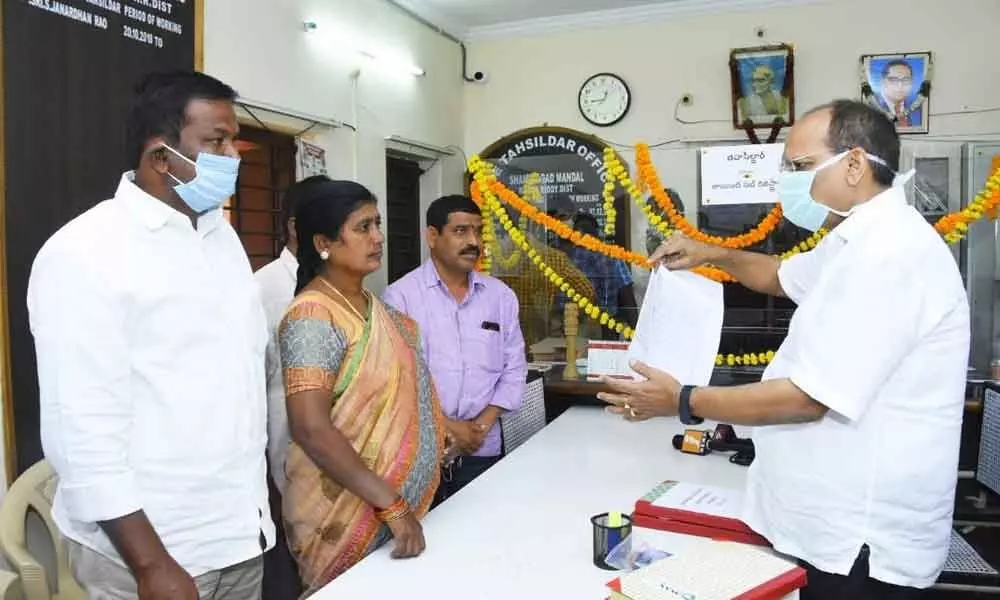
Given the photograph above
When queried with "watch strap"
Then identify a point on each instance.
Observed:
(684, 407)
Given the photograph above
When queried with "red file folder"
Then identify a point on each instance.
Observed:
(689, 528)
(648, 514)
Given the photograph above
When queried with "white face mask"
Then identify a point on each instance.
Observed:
(795, 193)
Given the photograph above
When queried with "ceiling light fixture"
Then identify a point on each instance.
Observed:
(390, 63)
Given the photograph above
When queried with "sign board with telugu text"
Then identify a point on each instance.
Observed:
(740, 174)
(69, 70)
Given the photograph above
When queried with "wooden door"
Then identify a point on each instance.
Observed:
(267, 169)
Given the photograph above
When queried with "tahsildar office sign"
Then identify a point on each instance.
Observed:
(570, 165)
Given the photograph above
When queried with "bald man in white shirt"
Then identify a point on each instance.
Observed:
(859, 415)
(150, 337)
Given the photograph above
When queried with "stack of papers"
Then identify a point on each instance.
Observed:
(680, 326)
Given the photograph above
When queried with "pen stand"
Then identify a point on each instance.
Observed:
(607, 537)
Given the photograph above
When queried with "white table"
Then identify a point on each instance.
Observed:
(522, 529)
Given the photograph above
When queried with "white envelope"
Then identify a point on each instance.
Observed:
(680, 325)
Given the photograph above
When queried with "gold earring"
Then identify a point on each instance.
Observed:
(324, 255)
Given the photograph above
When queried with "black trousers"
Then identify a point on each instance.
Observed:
(281, 574)
(856, 585)
(460, 474)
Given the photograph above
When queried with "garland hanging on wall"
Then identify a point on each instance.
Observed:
(491, 194)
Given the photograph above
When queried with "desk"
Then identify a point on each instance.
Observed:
(522, 529)
(561, 393)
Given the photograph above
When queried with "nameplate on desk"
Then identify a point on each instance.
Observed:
(608, 359)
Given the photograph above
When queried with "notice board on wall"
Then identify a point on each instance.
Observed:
(69, 67)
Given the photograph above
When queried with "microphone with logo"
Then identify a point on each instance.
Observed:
(723, 439)
(693, 441)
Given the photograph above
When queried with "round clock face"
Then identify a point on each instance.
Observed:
(604, 99)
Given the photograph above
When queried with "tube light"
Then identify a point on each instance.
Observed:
(387, 62)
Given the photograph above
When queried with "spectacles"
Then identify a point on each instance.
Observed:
(899, 80)
(801, 163)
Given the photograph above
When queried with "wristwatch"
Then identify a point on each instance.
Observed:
(684, 407)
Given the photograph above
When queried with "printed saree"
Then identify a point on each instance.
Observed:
(382, 400)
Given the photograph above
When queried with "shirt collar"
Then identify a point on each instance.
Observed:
(154, 213)
(872, 213)
(431, 277)
(289, 261)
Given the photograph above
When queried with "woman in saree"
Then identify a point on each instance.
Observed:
(363, 415)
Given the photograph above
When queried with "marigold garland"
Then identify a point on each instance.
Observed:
(651, 180)
(488, 199)
(610, 214)
(478, 166)
(616, 172)
(533, 194)
(953, 227)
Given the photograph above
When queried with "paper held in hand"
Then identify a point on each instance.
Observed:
(680, 325)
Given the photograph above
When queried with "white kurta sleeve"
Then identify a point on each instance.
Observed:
(83, 377)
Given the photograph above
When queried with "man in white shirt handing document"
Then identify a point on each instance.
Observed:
(150, 336)
(859, 415)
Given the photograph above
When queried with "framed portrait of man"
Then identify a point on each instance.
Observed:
(763, 86)
(900, 86)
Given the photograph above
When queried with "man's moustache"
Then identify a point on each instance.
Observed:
(473, 251)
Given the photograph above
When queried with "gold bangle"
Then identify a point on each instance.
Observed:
(396, 516)
(393, 512)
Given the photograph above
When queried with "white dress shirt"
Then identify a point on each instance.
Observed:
(277, 289)
(150, 338)
(881, 337)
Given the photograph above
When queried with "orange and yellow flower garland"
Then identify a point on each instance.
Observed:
(488, 200)
(489, 184)
(952, 227)
(533, 194)
(651, 180)
(616, 173)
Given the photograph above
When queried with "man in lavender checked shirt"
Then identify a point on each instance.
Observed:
(471, 337)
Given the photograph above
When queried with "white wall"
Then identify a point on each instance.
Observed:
(535, 80)
(259, 47)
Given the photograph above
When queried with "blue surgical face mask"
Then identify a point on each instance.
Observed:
(795, 194)
(214, 181)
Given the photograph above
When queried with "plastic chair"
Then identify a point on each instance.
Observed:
(33, 492)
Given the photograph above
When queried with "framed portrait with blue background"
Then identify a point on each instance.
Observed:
(763, 86)
(900, 86)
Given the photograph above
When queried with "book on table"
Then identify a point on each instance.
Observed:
(695, 509)
(712, 570)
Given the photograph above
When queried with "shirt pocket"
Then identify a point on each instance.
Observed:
(485, 349)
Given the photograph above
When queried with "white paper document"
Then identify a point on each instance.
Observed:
(680, 325)
(705, 499)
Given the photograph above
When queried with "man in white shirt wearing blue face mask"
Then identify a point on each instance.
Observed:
(150, 336)
(859, 415)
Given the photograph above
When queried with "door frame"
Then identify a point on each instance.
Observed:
(431, 160)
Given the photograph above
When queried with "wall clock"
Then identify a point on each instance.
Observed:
(604, 99)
